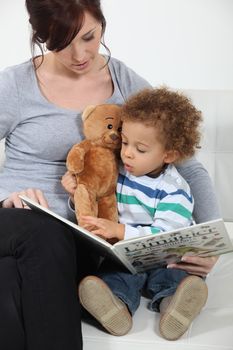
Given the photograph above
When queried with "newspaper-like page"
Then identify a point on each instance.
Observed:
(207, 239)
(140, 254)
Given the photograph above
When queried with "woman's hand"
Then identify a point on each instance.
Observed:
(104, 228)
(196, 265)
(13, 201)
(69, 183)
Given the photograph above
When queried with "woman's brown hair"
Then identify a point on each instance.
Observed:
(57, 22)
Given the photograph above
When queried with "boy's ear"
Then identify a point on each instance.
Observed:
(171, 156)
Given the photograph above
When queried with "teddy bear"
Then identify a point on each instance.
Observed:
(94, 162)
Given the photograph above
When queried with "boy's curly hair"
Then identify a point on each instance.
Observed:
(170, 111)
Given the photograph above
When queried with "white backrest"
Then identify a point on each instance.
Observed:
(217, 142)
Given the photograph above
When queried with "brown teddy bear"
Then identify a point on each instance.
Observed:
(94, 163)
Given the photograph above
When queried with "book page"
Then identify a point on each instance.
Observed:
(156, 250)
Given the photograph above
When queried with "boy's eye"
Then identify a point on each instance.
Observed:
(141, 151)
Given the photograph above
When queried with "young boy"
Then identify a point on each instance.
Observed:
(160, 127)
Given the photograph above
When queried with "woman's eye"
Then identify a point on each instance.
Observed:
(88, 38)
(110, 126)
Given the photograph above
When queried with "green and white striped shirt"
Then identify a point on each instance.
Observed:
(149, 205)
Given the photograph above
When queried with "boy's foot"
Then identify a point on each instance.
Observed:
(97, 298)
(178, 311)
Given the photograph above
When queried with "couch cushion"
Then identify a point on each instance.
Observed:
(217, 142)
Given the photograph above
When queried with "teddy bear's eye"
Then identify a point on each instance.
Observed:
(110, 126)
(119, 129)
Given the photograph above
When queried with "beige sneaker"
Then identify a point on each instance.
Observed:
(97, 298)
(178, 311)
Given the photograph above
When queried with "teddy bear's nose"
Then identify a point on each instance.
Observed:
(114, 137)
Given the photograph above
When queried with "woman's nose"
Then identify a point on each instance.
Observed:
(78, 52)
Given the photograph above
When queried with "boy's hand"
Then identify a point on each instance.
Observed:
(69, 183)
(105, 228)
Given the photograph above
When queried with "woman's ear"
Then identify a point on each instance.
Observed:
(171, 156)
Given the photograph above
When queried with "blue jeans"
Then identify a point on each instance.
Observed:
(156, 284)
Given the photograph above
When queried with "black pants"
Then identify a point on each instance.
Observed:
(39, 308)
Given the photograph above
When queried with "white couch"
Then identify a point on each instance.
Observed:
(213, 328)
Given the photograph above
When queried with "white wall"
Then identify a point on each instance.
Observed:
(182, 43)
(14, 32)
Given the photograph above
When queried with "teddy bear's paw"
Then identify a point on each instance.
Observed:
(76, 165)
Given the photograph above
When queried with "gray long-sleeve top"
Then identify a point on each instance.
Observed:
(39, 135)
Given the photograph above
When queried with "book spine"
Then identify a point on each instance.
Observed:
(123, 260)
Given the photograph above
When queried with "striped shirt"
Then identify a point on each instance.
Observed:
(149, 205)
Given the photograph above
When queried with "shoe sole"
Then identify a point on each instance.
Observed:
(96, 297)
(185, 305)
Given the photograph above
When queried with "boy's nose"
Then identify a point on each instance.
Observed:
(128, 153)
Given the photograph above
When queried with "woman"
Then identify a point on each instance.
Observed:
(40, 105)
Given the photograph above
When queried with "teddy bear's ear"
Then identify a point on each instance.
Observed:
(87, 111)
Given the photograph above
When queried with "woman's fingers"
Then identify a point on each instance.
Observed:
(195, 265)
(14, 201)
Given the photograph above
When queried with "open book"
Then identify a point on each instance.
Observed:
(143, 253)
